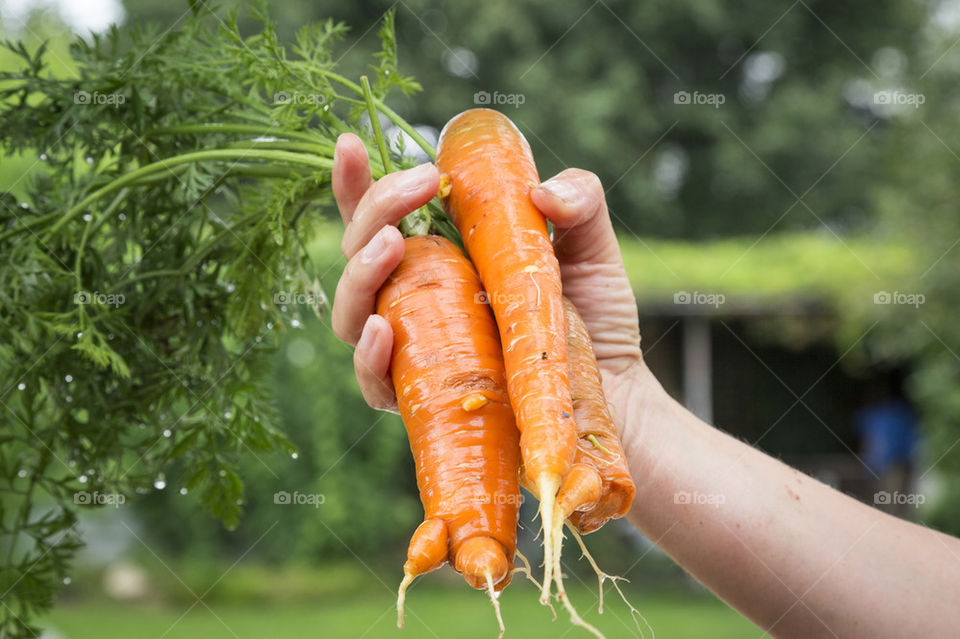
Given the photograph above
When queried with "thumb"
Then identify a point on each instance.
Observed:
(574, 202)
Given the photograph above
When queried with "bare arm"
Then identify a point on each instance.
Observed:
(795, 556)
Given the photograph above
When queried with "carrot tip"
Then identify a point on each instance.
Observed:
(495, 600)
(547, 487)
(402, 596)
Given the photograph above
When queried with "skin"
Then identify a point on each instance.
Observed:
(793, 555)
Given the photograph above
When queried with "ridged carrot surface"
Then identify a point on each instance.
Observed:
(599, 443)
(487, 170)
(448, 374)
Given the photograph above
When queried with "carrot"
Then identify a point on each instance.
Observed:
(598, 444)
(487, 170)
(447, 370)
(599, 487)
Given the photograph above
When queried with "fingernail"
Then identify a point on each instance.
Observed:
(561, 189)
(374, 247)
(414, 178)
(367, 335)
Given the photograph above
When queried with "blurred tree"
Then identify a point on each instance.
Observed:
(598, 82)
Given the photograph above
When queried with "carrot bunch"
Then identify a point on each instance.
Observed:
(492, 400)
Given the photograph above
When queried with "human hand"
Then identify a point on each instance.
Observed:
(590, 265)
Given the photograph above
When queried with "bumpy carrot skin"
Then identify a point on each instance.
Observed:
(487, 171)
(598, 444)
(447, 369)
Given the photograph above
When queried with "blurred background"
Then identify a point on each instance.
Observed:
(783, 181)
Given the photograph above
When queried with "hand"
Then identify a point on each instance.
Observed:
(590, 264)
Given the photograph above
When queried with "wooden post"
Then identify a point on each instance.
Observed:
(698, 367)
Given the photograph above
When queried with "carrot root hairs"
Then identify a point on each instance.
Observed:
(495, 600)
(602, 576)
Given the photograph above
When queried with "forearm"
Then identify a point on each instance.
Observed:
(797, 557)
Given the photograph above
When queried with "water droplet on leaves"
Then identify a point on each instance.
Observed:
(269, 326)
(227, 415)
(68, 378)
(22, 473)
(87, 217)
(160, 483)
(122, 216)
(296, 323)
(222, 473)
(231, 288)
(167, 432)
(80, 334)
(43, 157)
(82, 479)
(89, 159)
(21, 386)
(183, 491)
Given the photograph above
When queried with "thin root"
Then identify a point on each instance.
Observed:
(494, 599)
(602, 576)
(402, 597)
(527, 572)
(548, 500)
(575, 617)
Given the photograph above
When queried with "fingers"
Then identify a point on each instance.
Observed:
(371, 361)
(387, 202)
(351, 174)
(574, 201)
(363, 276)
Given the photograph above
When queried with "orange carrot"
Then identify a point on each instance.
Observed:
(598, 445)
(487, 171)
(447, 370)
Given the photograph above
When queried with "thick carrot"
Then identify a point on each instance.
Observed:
(598, 445)
(448, 374)
(487, 171)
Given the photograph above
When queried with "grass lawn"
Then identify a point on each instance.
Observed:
(448, 614)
